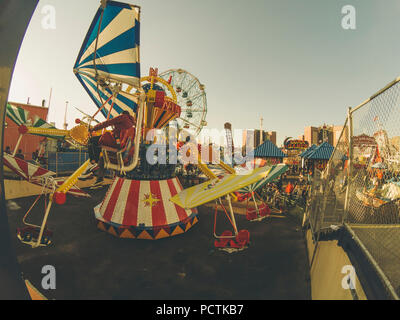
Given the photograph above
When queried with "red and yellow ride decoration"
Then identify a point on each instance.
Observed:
(141, 209)
(161, 106)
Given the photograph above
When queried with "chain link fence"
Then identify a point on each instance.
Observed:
(64, 163)
(327, 197)
(360, 188)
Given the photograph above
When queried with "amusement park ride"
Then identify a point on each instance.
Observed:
(145, 201)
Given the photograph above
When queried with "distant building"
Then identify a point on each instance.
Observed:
(324, 133)
(29, 143)
(259, 137)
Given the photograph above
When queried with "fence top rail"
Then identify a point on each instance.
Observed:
(388, 86)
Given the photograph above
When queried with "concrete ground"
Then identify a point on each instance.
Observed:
(91, 264)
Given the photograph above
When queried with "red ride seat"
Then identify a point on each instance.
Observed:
(238, 242)
(251, 214)
(264, 210)
(30, 235)
(126, 150)
(223, 242)
(243, 237)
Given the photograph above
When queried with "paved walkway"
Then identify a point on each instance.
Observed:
(91, 264)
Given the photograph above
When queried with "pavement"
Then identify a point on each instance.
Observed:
(91, 264)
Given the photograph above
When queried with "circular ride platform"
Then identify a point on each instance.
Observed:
(141, 209)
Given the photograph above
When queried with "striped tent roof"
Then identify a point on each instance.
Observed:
(110, 55)
(17, 114)
(24, 169)
(141, 209)
(308, 151)
(267, 150)
(322, 152)
(35, 174)
(20, 117)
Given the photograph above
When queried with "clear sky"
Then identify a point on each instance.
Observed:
(289, 61)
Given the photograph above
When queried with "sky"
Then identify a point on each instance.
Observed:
(288, 61)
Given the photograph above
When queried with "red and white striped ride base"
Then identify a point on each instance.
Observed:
(141, 209)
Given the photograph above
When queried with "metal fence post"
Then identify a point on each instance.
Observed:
(349, 163)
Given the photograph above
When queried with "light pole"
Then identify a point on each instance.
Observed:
(65, 116)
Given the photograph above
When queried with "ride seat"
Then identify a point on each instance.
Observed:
(241, 240)
(243, 237)
(124, 154)
(225, 237)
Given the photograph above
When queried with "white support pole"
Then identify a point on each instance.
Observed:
(255, 203)
(349, 163)
(228, 197)
(44, 222)
(17, 145)
(65, 116)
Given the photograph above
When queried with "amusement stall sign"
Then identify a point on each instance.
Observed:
(295, 144)
(293, 149)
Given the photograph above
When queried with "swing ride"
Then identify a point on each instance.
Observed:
(145, 200)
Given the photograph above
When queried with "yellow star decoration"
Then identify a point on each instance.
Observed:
(150, 200)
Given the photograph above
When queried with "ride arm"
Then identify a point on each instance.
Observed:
(44, 131)
(207, 172)
(226, 167)
(138, 135)
(211, 175)
(60, 192)
(112, 122)
(59, 197)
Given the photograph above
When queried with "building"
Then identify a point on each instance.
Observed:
(29, 143)
(258, 134)
(324, 133)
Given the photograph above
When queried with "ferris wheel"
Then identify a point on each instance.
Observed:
(191, 97)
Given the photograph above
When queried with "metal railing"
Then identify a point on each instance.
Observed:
(63, 163)
(360, 187)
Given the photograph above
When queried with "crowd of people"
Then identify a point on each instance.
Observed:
(283, 193)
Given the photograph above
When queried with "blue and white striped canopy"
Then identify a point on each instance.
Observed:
(110, 56)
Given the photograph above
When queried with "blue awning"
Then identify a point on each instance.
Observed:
(308, 151)
(322, 152)
(267, 150)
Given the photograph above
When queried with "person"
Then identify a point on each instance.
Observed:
(289, 188)
(279, 183)
(35, 155)
(309, 177)
(123, 126)
(379, 175)
(304, 194)
(8, 150)
(20, 154)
